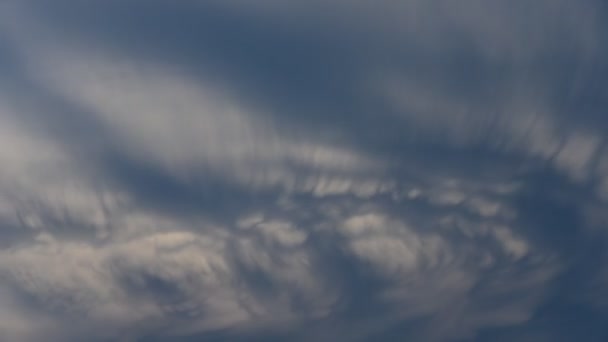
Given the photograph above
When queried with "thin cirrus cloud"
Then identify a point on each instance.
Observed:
(423, 170)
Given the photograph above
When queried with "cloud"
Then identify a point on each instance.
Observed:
(234, 170)
(160, 270)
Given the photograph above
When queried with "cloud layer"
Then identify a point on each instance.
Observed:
(236, 170)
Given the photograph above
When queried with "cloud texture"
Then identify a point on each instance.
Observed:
(355, 171)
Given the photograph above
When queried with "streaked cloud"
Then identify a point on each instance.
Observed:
(236, 170)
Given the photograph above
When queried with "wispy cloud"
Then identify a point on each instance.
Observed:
(423, 170)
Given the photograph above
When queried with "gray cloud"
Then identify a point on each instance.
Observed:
(232, 170)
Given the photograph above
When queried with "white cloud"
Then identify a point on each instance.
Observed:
(153, 268)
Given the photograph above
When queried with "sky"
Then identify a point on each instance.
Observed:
(234, 170)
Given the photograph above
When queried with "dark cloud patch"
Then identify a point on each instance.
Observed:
(307, 62)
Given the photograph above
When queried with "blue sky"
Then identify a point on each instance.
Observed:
(329, 171)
